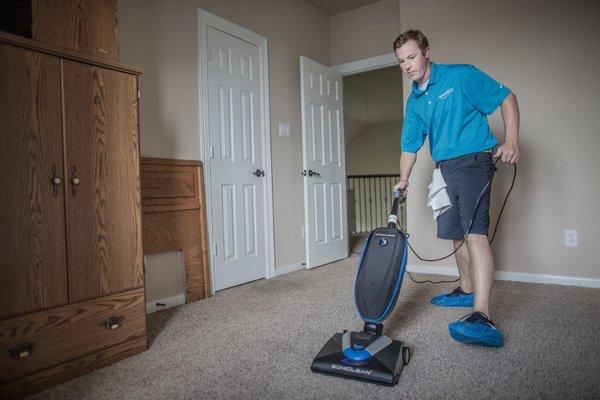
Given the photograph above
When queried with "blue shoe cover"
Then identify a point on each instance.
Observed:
(476, 328)
(456, 298)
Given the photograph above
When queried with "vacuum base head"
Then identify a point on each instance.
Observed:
(384, 367)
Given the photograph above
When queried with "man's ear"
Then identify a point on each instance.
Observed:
(426, 53)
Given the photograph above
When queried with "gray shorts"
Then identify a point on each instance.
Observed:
(466, 177)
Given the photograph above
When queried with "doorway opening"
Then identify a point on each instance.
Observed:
(373, 118)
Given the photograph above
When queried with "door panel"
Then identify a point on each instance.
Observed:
(337, 224)
(323, 152)
(235, 126)
(103, 210)
(335, 141)
(250, 222)
(320, 222)
(33, 271)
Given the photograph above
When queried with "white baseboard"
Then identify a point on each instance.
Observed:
(289, 268)
(512, 276)
(168, 302)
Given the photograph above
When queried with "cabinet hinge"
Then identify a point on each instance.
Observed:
(139, 94)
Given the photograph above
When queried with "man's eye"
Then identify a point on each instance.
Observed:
(411, 57)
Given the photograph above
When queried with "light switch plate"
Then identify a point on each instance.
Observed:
(284, 129)
(571, 239)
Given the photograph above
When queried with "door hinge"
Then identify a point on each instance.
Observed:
(209, 55)
(211, 150)
(139, 94)
(214, 249)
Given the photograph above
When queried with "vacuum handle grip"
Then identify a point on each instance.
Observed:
(393, 219)
(396, 202)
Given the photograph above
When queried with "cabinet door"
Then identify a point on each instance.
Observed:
(33, 272)
(103, 195)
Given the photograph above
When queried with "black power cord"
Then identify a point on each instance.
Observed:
(512, 184)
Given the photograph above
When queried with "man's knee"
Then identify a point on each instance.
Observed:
(475, 239)
(457, 243)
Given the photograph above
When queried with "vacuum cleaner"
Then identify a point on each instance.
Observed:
(369, 354)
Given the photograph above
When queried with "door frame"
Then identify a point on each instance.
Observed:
(367, 64)
(364, 65)
(205, 20)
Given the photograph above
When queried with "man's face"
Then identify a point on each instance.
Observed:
(412, 60)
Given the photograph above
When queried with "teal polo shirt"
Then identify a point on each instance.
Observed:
(452, 110)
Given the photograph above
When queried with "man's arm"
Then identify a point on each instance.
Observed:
(509, 150)
(407, 161)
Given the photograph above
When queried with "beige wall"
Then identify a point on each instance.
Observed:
(164, 276)
(364, 32)
(547, 52)
(375, 150)
(162, 37)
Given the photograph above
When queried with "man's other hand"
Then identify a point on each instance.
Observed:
(509, 152)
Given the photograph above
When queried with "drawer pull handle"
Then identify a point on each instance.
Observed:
(21, 351)
(113, 323)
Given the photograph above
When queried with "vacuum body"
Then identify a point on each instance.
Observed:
(368, 354)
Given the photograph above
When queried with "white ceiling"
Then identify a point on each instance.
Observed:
(332, 7)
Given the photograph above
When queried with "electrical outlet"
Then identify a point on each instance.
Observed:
(571, 238)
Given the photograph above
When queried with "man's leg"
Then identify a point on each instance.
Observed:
(478, 328)
(482, 263)
(458, 298)
(474, 180)
(463, 260)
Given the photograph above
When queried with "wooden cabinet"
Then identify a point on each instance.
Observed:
(70, 215)
(86, 26)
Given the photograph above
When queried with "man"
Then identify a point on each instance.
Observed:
(450, 104)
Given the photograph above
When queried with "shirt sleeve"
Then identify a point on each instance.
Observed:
(413, 136)
(481, 90)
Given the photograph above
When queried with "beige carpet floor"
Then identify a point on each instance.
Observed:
(256, 341)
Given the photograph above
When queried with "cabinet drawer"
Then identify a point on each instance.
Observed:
(40, 340)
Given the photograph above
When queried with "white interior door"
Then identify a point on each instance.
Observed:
(237, 189)
(324, 159)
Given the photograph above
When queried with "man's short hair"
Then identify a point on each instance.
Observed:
(412, 34)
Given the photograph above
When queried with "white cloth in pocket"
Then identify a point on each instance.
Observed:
(438, 198)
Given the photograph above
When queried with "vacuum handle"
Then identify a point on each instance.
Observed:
(396, 202)
(393, 219)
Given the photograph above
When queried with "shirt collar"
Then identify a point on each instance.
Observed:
(433, 77)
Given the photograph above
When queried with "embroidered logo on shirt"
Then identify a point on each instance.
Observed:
(446, 93)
